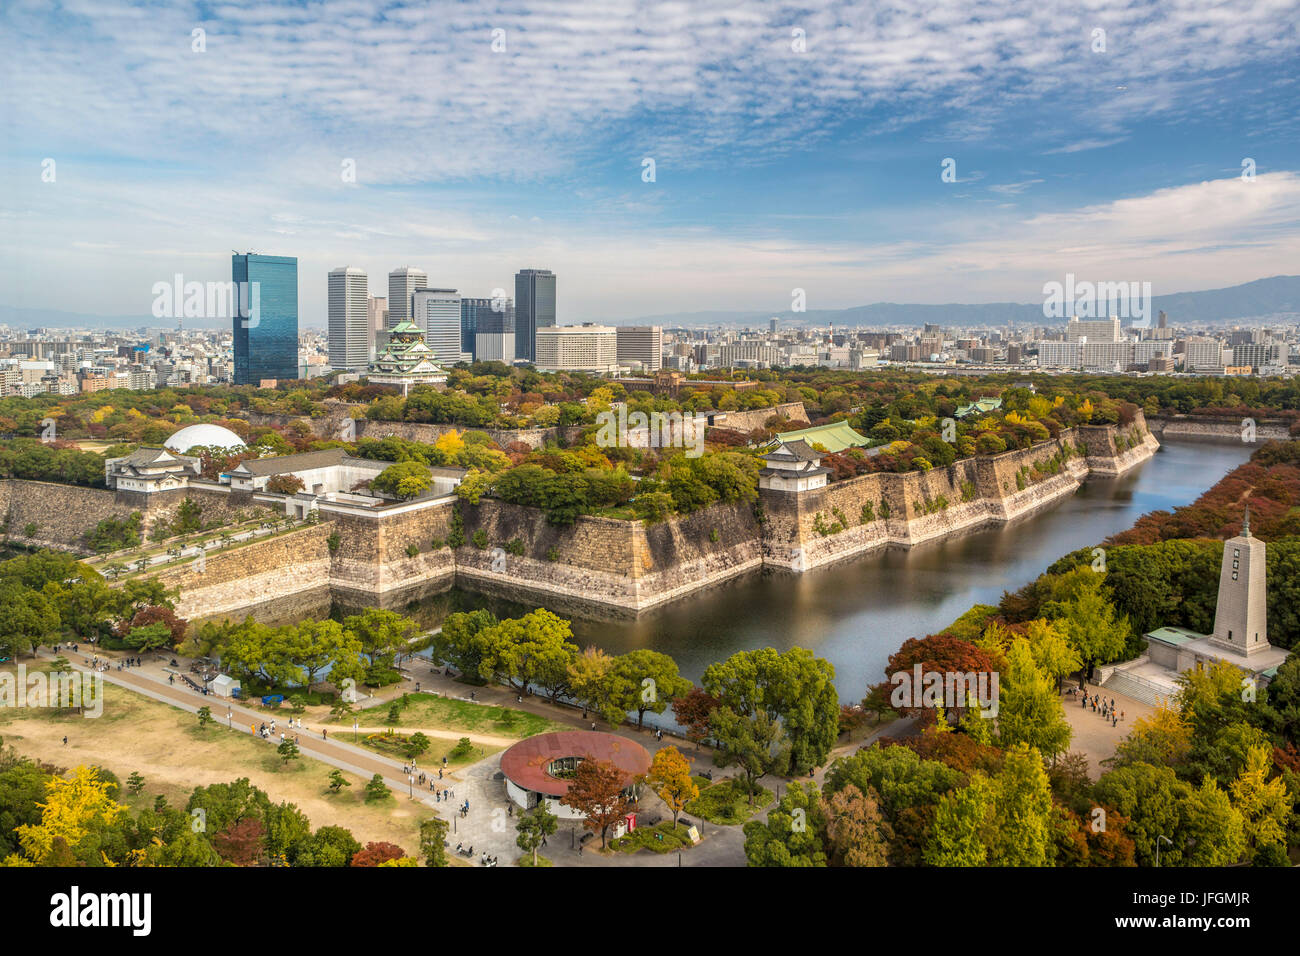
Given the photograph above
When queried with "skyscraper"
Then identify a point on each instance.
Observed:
(437, 313)
(402, 284)
(266, 323)
(376, 324)
(475, 313)
(349, 318)
(494, 337)
(534, 308)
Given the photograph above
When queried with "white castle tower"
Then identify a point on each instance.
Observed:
(1241, 616)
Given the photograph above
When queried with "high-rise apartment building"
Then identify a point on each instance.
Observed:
(1094, 330)
(437, 313)
(266, 320)
(402, 284)
(534, 308)
(641, 345)
(349, 318)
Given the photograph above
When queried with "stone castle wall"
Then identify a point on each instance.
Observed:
(232, 580)
(62, 514)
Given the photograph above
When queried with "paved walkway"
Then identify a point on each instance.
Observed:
(1094, 735)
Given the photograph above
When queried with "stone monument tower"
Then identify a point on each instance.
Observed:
(1241, 618)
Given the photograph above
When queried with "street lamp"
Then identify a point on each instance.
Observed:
(1158, 839)
(354, 731)
(230, 717)
(411, 789)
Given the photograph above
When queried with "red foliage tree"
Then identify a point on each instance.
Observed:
(938, 653)
(376, 853)
(694, 712)
(242, 842)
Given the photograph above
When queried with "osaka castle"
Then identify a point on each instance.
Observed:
(405, 360)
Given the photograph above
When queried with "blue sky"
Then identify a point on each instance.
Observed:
(783, 159)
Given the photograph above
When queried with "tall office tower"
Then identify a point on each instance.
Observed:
(477, 314)
(641, 344)
(437, 313)
(402, 284)
(349, 318)
(534, 308)
(266, 330)
(772, 323)
(494, 336)
(1094, 330)
(376, 324)
(1163, 321)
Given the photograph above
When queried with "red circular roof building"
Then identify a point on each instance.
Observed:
(541, 767)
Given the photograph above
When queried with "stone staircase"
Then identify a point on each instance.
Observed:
(1138, 688)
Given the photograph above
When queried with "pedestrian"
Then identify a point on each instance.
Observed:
(593, 725)
(1121, 715)
(440, 773)
(1113, 719)
(324, 733)
(65, 741)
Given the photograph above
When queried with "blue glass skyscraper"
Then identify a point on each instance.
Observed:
(266, 324)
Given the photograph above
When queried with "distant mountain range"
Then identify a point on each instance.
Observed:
(1271, 299)
(1278, 296)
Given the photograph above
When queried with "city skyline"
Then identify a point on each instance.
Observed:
(790, 150)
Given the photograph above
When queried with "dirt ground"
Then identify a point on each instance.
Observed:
(174, 755)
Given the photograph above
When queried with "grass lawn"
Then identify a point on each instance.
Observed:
(726, 802)
(527, 860)
(395, 745)
(660, 838)
(167, 747)
(448, 713)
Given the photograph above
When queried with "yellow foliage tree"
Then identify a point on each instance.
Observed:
(450, 443)
(77, 806)
(670, 776)
(1264, 805)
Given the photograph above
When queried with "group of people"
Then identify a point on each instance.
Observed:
(1105, 707)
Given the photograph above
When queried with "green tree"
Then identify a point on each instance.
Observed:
(1029, 708)
(962, 829)
(533, 827)
(433, 841)
(404, 480)
(753, 742)
(1022, 800)
(794, 833)
(794, 688)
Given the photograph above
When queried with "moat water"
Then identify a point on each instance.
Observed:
(857, 612)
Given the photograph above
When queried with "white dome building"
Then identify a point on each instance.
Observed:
(208, 436)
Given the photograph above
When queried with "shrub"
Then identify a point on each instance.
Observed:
(480, 539)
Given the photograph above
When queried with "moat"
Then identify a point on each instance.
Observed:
(856, 612)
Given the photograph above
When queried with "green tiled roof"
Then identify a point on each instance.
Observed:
(1174, 635)
(836, 436)
(982, 405)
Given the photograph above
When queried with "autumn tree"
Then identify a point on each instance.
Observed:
(375, 854)
(596, 791)
(241, 843)
(856, 834)
(694, 711)
(670, 777)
